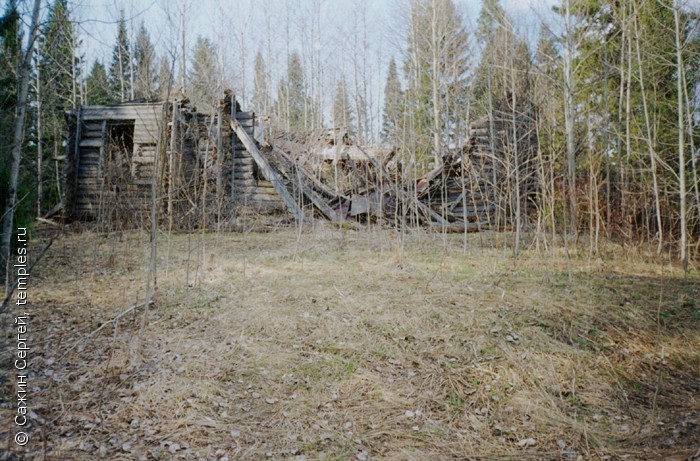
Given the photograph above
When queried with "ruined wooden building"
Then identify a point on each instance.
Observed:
(490, 181)
(209, 170)
(194, 161)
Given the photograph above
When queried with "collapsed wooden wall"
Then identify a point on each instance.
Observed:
(489, 180)
(207, 169)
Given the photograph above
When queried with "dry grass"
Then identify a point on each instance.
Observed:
(343, 345)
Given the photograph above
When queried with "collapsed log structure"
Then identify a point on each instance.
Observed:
(208, 170)
(490, 182)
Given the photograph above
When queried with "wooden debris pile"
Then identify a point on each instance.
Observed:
(485, 184)
(208, 169)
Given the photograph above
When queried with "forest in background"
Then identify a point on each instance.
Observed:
(611, 89)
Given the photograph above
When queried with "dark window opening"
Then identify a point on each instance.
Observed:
(121, 136)
(119, 149)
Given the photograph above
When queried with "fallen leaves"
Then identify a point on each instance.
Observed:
(529, 442)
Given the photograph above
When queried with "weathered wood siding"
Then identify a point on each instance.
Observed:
(91, 192)
(106, 181)
(249, 187)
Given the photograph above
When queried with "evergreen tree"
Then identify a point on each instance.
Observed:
(435, 69)
(393, 102)
(627, 106)
(59, 82)
(261, 91)
(97, 86)
(10, 56)
(58, 60)
(146, 79)
(342, 111)
(492, 82)
(10, 52)
(547, 93)
(491, 19)
(203, 78)
(10, 27)
(296, 100)
(165, 79)
(120, 69)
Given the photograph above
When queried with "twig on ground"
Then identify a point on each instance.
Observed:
(14, 285)
(113, 320)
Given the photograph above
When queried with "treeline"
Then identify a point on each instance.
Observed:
(610, 90)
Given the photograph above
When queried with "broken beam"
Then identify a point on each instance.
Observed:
(267, 170)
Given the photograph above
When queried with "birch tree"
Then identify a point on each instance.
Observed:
(435, 67)
(17, 135)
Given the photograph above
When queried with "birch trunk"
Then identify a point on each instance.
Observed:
(24, 76)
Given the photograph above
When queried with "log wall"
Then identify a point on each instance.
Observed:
(90, 189)
(112, 150)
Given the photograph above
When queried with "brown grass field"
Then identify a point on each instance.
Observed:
(345, 345)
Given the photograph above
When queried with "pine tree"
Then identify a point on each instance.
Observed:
(297, 103)
(59, 82)
(261, 95)
(97, 86)
(165, 79)
(393, 103)
(120, 69)
(146, 78)
(203, 78)
(342, 111)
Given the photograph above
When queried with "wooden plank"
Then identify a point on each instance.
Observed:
(247, 169)
(245, 182)
(309, 192)
(324, 188)
(245, 123)
(76, 153)
(244, 195)
(122, 112)
(96, 142)
(243, 163)
(244, 115)
(267, 170)
(242, 177)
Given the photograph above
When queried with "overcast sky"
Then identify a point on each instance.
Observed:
(211, 18)
(241, 28)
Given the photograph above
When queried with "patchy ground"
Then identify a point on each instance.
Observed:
(343, 345)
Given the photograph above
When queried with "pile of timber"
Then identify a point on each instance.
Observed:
(213, 162)
(478, 186)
